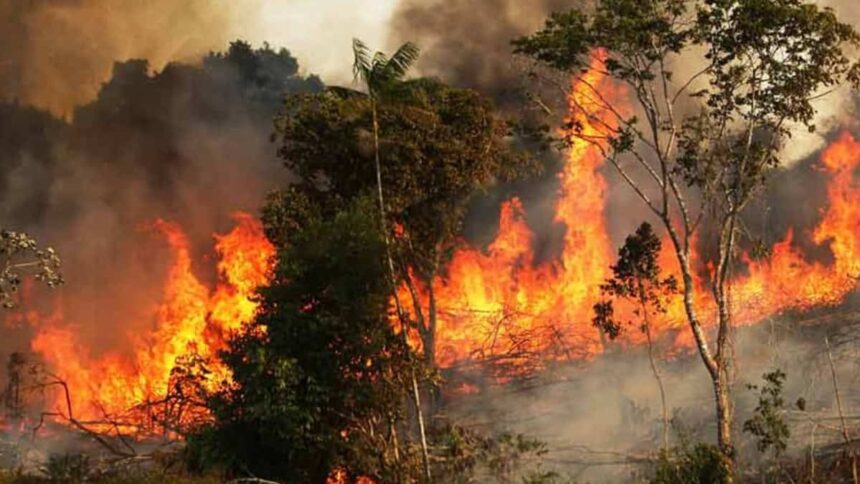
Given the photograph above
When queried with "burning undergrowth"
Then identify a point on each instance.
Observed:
(132, 190)
(500, 305)
(181, 149)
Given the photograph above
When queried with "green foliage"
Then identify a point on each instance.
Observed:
(438, 145)
(317, 376)
(636, 277)
(768, 424)
(378, 72)
(68, 467)
(765, 63)
(701, 464)
(626, 27)
(697, 148)
(465, 456)
(20, 255)
(152, 476)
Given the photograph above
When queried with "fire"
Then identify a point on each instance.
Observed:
(787, 280)
(340, 476)
(498, 303)
(192, 319)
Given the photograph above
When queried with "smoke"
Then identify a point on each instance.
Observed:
(61, 50)
(188, 144)
(602, 420)
(469, 43)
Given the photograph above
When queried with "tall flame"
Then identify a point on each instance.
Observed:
(499, 303)
(191, 319)
(493, 303)
(787, 280)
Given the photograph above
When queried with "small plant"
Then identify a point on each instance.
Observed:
(68, 467)
(768, 423)
(464, 456)
(701, 464)
(637, 280)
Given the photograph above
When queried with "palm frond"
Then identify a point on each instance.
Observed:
(402, 61)
(361, 67)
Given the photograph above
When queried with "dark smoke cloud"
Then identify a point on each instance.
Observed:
(469, 43)
(188, 144)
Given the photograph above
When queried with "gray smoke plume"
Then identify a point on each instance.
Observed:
(187, 144)
(469, 43)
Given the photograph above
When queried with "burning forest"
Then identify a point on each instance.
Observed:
(604, 241)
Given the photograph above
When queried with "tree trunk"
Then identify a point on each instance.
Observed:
(716, 366)
(416, 394)
(724, 422)
(722, 382)
(643, 302)
(659, 378)
(430, 336)
(845, 436)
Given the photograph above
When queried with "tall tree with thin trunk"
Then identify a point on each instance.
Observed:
(717, 87)
(379, 73)
(426, 147)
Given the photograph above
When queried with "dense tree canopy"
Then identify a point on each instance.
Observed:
(439, 146)
(317, 377)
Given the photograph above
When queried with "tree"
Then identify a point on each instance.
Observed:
(20, 255)
(702, 144)
(767, 423)
(421, 148)
(440, 145)
(637, 278)
(379, 75)
(317, 376)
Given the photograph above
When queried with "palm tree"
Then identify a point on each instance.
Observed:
(380, 74)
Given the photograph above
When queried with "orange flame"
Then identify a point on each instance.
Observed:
(498, 303)
(787, 280)
(191, 319)
(492, 303)
(340, 476)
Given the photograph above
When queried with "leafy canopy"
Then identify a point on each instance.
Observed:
(439, 145)
(319, 366)
(763, 65)
(379, 72)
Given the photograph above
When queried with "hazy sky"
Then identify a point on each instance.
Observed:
(320, 32)
(63, 50)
